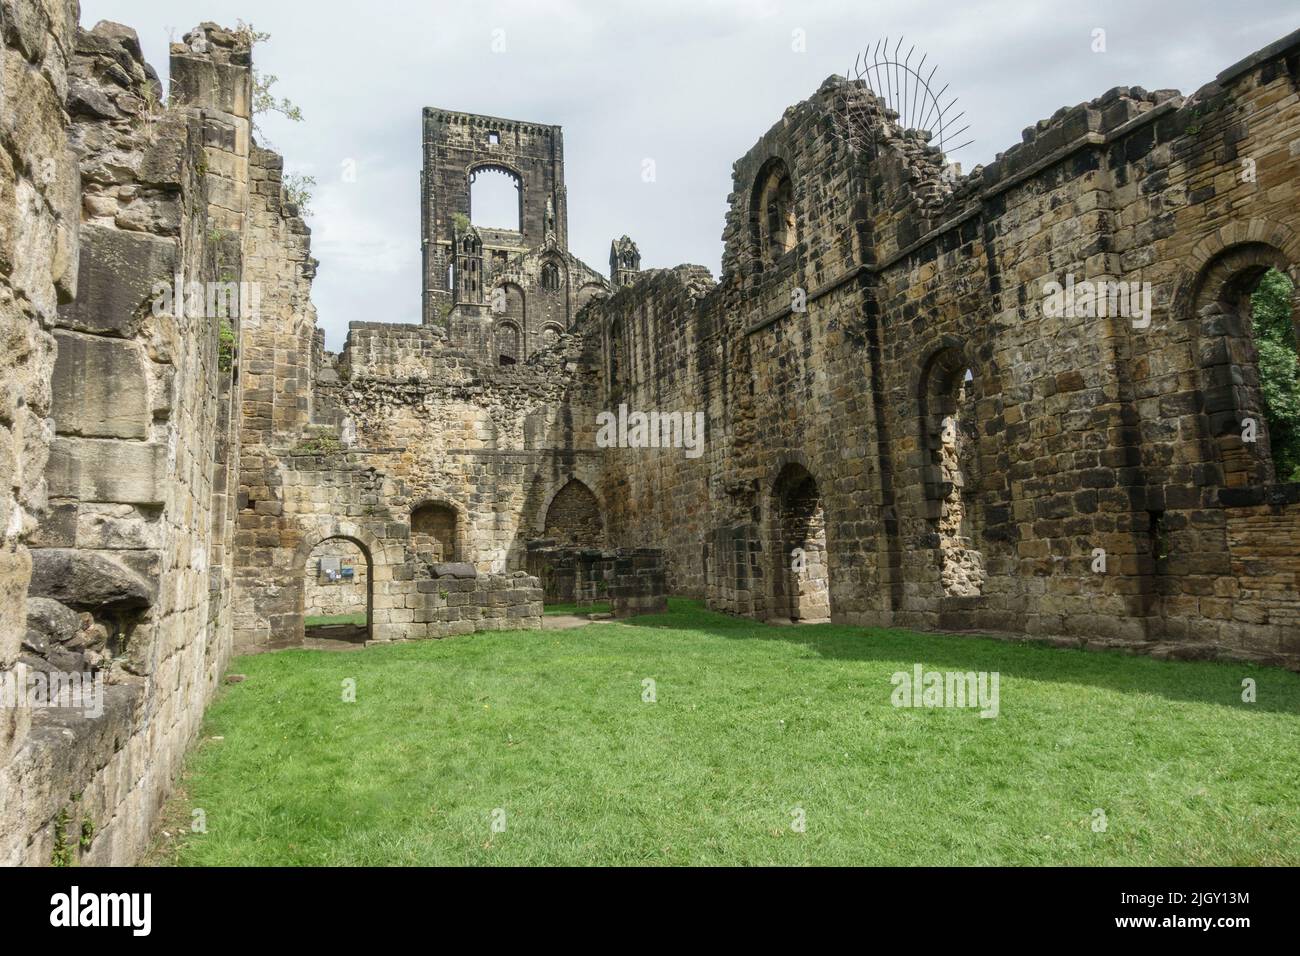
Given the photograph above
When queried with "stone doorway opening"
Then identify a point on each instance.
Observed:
(337, 592)
(569, 558)
(801, 576)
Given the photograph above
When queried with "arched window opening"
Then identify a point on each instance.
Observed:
(772, 216)
(496, 199)
(801, 578)
(551, 277)
(1247, 311)
(434, 533)
(336, 599)
(573, 517)
(948, 433)
(550, 335)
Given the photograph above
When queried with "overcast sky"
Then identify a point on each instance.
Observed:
(690, 84)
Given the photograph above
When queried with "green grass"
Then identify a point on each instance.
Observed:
(330, 620)
(751, 722)
(600, 607)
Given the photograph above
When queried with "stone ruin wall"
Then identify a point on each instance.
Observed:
(399, 420)
(1074, 434)
(166, 489)
(39, 219)
(631, 580)
(130, 548)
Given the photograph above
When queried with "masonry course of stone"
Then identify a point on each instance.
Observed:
(898, 431)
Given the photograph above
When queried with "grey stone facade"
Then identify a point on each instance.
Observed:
(501, 294)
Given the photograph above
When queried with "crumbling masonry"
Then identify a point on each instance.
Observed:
(899, 431)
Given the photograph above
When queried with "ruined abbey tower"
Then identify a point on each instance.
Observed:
(501, 294)
(887, 396)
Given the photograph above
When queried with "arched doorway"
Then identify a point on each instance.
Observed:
(337, 586)
(801, 576)
(568, 559)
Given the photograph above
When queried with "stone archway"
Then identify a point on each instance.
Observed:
(1232, 395)
(337, 600)
(379, 557)
(800, 588)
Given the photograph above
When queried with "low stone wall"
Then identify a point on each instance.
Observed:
(448, 599)
(638, 583)
(633, 580)
(556, 569)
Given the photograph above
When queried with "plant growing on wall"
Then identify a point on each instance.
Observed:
(298, 187)
(319, 445)
(225, 347)
(298, 190)
(264, 99)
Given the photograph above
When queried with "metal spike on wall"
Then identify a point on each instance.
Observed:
(906, 88)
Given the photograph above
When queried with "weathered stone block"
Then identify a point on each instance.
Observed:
(100, 387)
(116, 280)
(103, 470)
(85, 579)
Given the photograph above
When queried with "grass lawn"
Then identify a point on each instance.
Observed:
(330, 620)
(548, 731)
(600, 607)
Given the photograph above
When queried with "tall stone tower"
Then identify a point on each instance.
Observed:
(458, 147)
(624, 262)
